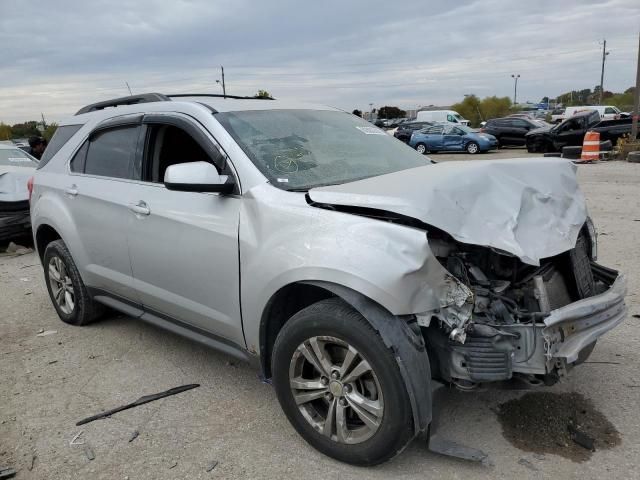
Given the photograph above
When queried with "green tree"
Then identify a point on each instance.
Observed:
(263, 94)
(25, 130)
(49, 131)
(391, 112)
(476, 110)
(5, 131)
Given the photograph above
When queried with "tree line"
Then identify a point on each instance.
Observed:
(26, 130)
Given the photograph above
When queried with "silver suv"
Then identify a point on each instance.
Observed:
(353, 271)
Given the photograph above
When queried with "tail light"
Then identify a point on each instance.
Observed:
(30, 187)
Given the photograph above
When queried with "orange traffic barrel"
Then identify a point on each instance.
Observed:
(591, 147)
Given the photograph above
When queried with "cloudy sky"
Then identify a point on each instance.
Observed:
(60, 55)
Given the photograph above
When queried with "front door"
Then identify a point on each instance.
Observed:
(453, 138)
(184, 245)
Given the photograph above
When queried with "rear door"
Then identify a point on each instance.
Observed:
(434, 137)
(102, 178)
(184, 245)
(519, 129)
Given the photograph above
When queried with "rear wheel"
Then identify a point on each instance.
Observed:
(340, 386)
(472, 147)
(421, 148)
(66, 289)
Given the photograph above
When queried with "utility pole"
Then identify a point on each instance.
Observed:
(224, 87)
(370, 111)
(44, 123)
(636, 97)
(515, 88)
(604, 56)
(128, 87)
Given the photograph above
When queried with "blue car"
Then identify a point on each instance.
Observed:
(452, 138)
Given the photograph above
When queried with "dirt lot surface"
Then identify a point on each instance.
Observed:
(47, 383)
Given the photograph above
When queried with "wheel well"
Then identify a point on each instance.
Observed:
(283, 305)
(44, 236)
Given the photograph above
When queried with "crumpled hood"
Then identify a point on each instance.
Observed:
(13, 183)
(531, 208)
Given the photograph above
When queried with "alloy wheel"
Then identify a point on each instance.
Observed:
(336, 390)
(61, 285)
(472, 148)
(421, 149)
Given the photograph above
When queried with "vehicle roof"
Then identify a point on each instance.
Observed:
(217, 103)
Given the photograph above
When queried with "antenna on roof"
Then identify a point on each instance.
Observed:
(127, 84)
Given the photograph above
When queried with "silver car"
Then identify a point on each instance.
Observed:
(351, 270)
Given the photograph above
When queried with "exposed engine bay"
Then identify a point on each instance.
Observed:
(506, 332)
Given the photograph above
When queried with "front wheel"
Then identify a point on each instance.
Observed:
(472, 147)
(340, 386)
(421, 148)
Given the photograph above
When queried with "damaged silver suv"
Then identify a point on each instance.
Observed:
(353, 271)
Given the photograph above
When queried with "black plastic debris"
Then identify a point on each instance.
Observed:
(140, 401)
(581, 438)
(7, 472)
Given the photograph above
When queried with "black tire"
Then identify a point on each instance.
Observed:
(633, 157)
(472, 148)
(421, 148)
(334, 318)
(85, 310)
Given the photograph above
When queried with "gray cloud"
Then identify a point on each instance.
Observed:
(61, 55)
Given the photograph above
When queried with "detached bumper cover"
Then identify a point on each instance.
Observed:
(570, 329)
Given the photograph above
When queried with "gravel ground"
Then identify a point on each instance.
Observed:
(50, 382)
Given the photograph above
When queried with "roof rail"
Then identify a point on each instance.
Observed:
(217, 95)
(131, 100)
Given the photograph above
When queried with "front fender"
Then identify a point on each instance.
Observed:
(283, 241)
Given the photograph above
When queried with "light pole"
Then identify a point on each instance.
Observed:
(515, 76)
(604, 57)
(370, 111)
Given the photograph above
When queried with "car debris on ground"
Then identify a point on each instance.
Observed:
(140, 401)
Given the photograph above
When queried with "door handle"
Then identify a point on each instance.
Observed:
(141, 208)
(72, 190)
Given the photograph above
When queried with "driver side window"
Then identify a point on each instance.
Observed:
(168, 145)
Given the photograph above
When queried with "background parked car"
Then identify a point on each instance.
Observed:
(511, 131)
(16, 167)
(607, 112)
(571, 132)
(405, 129)
(451, 138)
(557, 115)
(449, 116)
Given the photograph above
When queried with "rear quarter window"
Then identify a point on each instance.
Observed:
(60, 138)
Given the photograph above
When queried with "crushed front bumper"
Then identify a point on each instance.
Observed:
(571, 329)
(545, 349)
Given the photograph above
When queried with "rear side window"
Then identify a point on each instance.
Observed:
(63, 135)
(111, 152)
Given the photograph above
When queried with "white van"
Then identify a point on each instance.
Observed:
(607, 112)
(441, 116)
